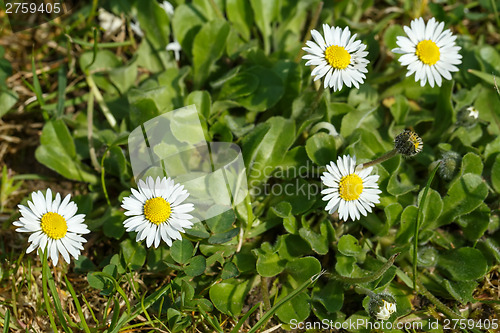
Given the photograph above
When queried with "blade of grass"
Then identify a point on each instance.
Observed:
(116, 313)
(61, 88)
(90, 309)
(37, 89)
(57, 302)
(6, 321)
(245, 317)
(212, 321)
(44, 289)
(125, 318)
(417, 225)
(285, 299)
(77, 305)
(117, 287)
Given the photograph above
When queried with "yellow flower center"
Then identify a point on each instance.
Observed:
(350, 187)
(54, 225)
(428, 52)
(157, 210)
(337, 57)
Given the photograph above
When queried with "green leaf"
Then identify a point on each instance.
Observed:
(239, 86)
(202, 100)
(8, 99)
(465, 263)
(186, 23)
(331, 295)
(358, 118)
(471, 163)
(195, 266)
(268, 92)
(302, 269)
(104, 60)
(209, 45)
(349, 246)
(240, 15)
(400, 109)
(154, 23)
(321, 148)
(222, 222)
(465, 195)
(432, 208)
(228, 297)
(296, 309)
(229, 271)
(269, 264)
(475, 224)
(495, 174)
(461, 290)
(57, 152)
(134, 255)
(264, 148)
(181, 251)
(264, 13)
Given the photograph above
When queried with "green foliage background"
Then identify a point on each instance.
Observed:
(241, 66)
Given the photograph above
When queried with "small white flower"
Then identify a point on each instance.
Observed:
(386, 310)
(176, 47)
(338, 57)
(473, 113)
(156, 211)
(54, 225)
(109, 22)
(428, 51)
(350, 192)
(168, 8)
(136, 28)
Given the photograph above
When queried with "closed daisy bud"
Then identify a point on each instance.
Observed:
(381, 306)
(408, 143)
(467, 117)
(449, 165)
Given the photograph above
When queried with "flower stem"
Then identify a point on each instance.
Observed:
(417, 225)
(381, 159)
(45, 272)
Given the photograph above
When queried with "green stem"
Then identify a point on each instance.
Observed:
(369, 278)
(364, 291)
(100, 100)
(441, 307)
(285, 299)
(381, 159)
(417, 225)
(45, 289)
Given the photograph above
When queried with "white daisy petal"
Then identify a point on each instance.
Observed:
(348, 191)
(158, 212)
(53, 224)
(429, 52)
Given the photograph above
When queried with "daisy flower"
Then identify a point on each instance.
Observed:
(53, 225)
(349, 191)
(338, 57)
(156, 211)
(428, 51)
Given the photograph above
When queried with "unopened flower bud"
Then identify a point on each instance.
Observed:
(450, 162)
(408, 143)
